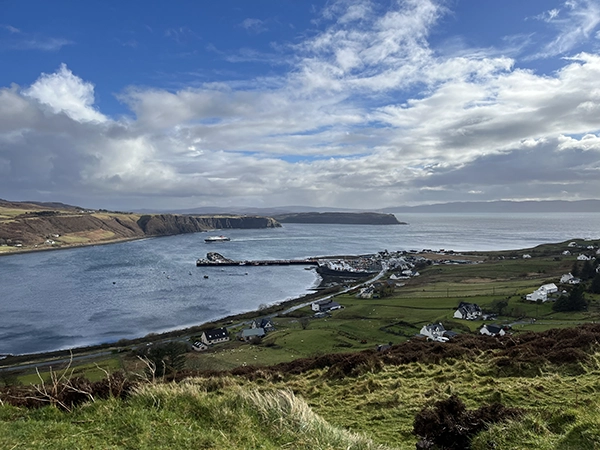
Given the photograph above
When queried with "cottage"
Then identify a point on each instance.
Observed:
(492, 330)
(215, 336)
(325, 305)
(251, 333)
(434, 331)
(265, 323)
(582, 257)
(566, 253)
(566, 277)
(536, 295)
(572, 244)
(467, 311)
(569, 279)
(550, 288)
(526, 256)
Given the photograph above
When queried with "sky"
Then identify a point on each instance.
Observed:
(359, 104)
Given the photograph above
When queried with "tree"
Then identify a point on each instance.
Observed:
(498, 306)
(587, 271)
(167, 358)
(304, 322)
(575, 269)
(575, 301)
(595, 286)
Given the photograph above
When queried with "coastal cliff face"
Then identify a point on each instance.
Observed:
(38, 228)
(166, 224)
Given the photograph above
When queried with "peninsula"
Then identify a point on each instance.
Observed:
(346, 218)
(29, 226)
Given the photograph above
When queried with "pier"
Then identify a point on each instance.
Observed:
(264, 262)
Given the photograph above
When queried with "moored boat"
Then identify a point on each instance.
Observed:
(217, 239)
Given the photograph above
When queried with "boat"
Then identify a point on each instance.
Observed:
(217, 239)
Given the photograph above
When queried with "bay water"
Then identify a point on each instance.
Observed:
(91, 295)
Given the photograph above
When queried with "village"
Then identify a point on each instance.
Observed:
(395, 269)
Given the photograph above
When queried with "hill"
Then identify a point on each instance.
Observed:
(549, 206)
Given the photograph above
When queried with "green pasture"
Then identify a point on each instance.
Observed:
(93, 371)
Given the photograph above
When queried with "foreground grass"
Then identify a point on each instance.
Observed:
(197, 414)
(375, 410)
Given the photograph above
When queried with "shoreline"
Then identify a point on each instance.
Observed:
(80, 245)
(16, 361)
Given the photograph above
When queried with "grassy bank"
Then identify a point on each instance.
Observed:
(375, 409)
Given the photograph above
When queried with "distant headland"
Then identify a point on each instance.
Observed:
(363, 218)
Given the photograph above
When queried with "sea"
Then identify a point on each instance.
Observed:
(100, 294)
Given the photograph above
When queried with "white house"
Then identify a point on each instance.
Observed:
(572, 244)
(492, 330)
(566, 277)
(526, 256)
(467, 311)
(582, 257)
(536, 295)
(569, 279)
(550, 288)
(435, 332)
(325, 305)
(566, 253)
(214, 336)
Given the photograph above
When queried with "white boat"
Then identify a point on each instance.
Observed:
(217, 239)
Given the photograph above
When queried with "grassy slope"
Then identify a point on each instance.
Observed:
(562, 411)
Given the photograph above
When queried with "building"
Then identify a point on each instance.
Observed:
(492, 330)
(325, 305)
(265, 323)
(210, 337)
(468, 311)
(542, 293)
(434, 332)
(251, 333)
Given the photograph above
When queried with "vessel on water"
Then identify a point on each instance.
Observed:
(217, 239)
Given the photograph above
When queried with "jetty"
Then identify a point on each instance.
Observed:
(215, 259)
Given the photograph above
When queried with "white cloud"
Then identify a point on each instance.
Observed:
(576, 26)
(65, 92)
(369, 116)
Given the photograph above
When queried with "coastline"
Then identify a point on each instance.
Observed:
(78, 245)
(16, 361)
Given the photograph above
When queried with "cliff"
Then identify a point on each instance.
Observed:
(27, 227)
(166, 224)
(340, 218)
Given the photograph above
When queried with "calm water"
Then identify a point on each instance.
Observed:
(91, 295)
